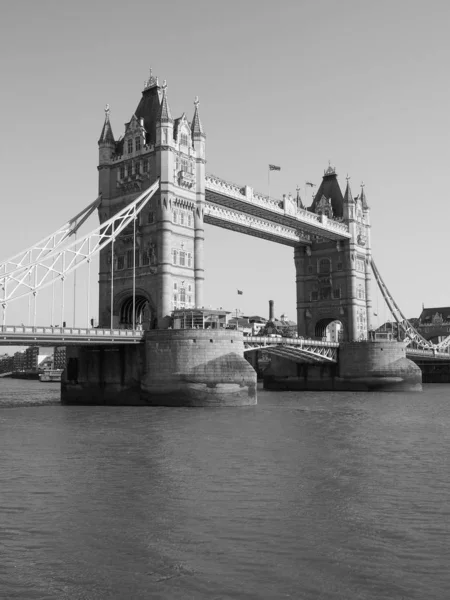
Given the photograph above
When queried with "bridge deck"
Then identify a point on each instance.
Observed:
(22, 335)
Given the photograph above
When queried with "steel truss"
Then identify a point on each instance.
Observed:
(296, 349)
(413, 337)
(47, 262)
(48, 244)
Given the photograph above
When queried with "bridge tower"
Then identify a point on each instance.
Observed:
(333, 278)
(165, 270)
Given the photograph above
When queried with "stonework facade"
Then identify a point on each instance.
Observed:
(161, 257)
(333, 278)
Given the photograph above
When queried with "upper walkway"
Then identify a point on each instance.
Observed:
(242, 209)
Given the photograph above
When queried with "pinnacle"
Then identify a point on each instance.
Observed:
(106, 135)
(197, 128)
(363, 198)
(164, 111)
(348, 198)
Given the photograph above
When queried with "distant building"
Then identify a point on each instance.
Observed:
(434, 323)
(32, 358)
(19, 361)
(334, 332)
(59, 357)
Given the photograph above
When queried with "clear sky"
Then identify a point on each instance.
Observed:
(294, 83)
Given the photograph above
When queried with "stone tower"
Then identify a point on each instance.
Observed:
(167, 270)
(333, 278)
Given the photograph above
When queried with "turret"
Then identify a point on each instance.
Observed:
(349, 203)
(164, 121)
(106, 142)
(198, 134)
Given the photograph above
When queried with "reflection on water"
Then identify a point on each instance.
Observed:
(307, 495)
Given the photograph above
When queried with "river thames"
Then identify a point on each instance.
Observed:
(306, 495)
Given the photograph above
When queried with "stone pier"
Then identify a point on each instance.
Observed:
(185, 367)
(362, 366)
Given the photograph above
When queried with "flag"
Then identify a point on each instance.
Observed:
(310, 184)
(274, 168)
(240, 292)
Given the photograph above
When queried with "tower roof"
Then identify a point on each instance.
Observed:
(149, 107)
(330, 189)
(196, 126)
(164, 114)
(106, 136)
(363, 198)
(348, 197)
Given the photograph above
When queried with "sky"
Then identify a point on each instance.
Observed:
(293, 83)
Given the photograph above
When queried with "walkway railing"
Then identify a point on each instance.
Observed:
(24, 334)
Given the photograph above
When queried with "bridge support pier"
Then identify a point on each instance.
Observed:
(363, 366)
(184, 367)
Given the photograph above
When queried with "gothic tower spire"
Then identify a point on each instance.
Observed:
(164, 116)
(196, 127)
(348, 198)
(363, 198)
(106, 136)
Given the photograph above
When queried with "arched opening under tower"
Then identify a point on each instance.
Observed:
(143, 317)
(330, 330)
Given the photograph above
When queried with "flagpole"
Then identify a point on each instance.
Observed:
(268, 178)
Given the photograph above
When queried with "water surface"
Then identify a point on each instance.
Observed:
(306, 495)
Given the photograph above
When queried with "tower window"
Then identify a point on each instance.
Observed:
(310, 269)
(314, 295)
(181, 217)
(122, 171)
(129, 169)
(120, 263)
(175, 285)
(174, 257)
(145, 259)
(151, 217)
(137, 168)
(129, 259)
(189, 220)
(324, 265)
(137, 143)
(130, 146)
(145, 166)
(184, 165)
(184, 139)
(189, 259)
(182, 258)
(339, 266)
(175, 216)
(337, 293)
(182, 295)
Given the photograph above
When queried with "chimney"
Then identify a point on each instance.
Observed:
(270, 310)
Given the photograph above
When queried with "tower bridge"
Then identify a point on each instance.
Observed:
(154, 199)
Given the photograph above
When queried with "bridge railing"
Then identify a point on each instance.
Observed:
(246, 194)
(29, 330)
(255, 339)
